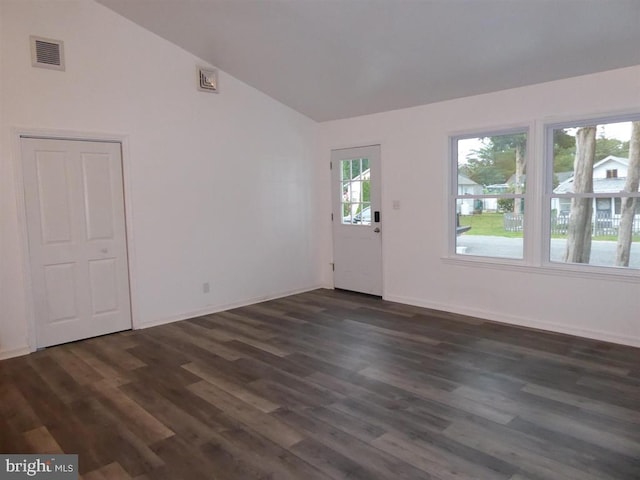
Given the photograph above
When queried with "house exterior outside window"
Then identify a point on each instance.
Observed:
(609, 177)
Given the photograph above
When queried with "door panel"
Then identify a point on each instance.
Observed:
(357, 237)
(77, 240)
(53, 190)
(103, 281)
(97, 185)
(60, 287)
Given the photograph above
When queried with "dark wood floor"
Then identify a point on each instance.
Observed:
(329, 385)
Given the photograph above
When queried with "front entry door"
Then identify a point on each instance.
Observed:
(77, 243)
(357, 236)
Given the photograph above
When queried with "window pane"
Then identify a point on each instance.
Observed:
(492, 164)
(488, 227)
(363, 217)
(601, 228)
(356, 192)
(591, 159)
(366, 190)
(356, 214)
(595, 237)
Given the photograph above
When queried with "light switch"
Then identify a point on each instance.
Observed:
(396, 204)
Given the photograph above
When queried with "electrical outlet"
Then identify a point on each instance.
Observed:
(205, 287)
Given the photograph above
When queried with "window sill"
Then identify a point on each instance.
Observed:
(558, 269)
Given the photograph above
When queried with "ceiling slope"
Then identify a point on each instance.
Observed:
(331, 59)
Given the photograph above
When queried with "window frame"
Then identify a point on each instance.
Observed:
(362, 203)
(547, 194)
(539, 189)
(454, 196)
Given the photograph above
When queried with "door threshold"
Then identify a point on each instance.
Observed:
(360, 294)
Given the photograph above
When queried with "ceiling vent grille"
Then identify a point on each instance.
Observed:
(47, 53)
(207, 79)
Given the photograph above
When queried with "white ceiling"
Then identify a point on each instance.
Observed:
(333, 59)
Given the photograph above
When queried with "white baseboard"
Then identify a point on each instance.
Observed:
(221, 308)
(519, 321)
(14, 352)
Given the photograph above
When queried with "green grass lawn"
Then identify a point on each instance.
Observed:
(492, 224)
(487, 224)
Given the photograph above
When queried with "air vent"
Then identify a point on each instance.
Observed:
(207, 79)
(47, 53)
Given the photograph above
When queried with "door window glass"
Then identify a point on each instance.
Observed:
(355, 178)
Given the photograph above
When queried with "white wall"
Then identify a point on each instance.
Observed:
(229, 188)
(221, 187)
(414, 165)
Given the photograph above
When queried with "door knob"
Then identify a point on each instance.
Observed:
(376, 230)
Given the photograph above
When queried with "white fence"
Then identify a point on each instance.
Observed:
(603, 223)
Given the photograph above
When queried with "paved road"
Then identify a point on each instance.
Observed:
(602, 253)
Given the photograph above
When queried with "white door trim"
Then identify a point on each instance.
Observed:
(53, 134)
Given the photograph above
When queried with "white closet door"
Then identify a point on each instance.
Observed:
(77, 239)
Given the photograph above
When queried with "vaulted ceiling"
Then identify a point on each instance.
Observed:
(333, 59)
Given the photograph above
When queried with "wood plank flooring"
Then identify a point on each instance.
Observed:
(329, 385)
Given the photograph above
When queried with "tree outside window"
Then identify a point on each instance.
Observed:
(601, 225)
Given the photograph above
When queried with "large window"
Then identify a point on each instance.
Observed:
(489, 192)
(592, 193)
(574, 204)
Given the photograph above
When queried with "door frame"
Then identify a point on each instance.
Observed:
(18, 164)
(347, 146)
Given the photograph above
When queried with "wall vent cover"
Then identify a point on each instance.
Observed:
(207, 79)
(47, 53)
